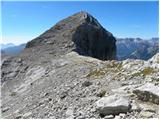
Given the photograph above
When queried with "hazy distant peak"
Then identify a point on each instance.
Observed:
(3, 46)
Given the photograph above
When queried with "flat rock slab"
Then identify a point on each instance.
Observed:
(147, 114)
(113, 105)
(148, 92)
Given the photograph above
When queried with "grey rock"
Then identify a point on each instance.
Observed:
(117, 117)
(63, 95)
(135, 106)
(5, 109)
(18, 116)
(86, 84)
(28, 114)
(146, 114)
(52, 117)
(113, 105)
(109, 117)
(70, 113)
(122, 115)
(148, 92)
(148, 107)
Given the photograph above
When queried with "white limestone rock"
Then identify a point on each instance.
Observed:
(113, 105)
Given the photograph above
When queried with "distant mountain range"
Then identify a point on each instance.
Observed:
(3, 46)
(136, 48)
(11, 49)
(133, 48)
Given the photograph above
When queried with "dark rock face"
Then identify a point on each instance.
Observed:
(81, 33)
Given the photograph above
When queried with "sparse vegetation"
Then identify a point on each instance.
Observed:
(119, 67)
(97, 73)
(144, 72)
(102, 71)
(116, 65)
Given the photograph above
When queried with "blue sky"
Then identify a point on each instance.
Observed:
(23, 21)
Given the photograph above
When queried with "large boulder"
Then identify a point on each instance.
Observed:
(113, 105)
(148, 92)
(80, 32)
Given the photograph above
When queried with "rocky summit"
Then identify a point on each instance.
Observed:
(82, 33)
(58, 76)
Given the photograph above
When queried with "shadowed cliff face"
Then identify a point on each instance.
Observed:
(80, 32)
(95, 42)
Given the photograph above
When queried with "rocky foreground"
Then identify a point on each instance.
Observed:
(73, 86)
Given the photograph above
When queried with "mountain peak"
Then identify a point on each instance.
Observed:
(83, 15)
(80, 32)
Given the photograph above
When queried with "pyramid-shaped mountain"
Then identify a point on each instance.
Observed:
(80, 32)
